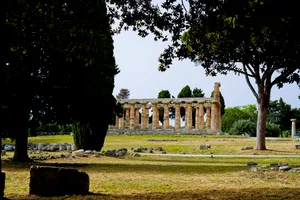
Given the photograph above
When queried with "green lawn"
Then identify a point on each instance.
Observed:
(172, 177)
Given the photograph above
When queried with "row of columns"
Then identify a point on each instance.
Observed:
(211, 105)
(132, 116)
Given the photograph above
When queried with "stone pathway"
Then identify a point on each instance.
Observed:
(223, 156)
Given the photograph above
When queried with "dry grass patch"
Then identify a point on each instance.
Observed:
(166, 177)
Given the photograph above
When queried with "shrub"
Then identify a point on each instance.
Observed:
(286, 133)
(243, 126)
(67, 128)
(272, 130)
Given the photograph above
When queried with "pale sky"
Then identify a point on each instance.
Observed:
(137, 59)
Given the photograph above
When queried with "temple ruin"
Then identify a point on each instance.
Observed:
(136, 116)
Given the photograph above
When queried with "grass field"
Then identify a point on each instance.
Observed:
(173, 177)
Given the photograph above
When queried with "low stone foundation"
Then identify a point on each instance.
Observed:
(56, 181)
(2, 184)
(164, 131)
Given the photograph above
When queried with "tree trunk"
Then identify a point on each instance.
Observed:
(20, 154)
(263, 102)
(261, 127)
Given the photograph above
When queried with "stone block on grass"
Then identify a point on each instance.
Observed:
(247, 148)
(57, 181)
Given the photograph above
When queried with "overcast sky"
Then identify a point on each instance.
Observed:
(137, 59)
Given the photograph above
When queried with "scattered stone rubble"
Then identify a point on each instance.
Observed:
(43, 147)
(133, 151)
(156, 140)
(45, 151)
(206, 146)
(247, 148)
(274, 167)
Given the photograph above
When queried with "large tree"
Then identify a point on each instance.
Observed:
(220, 34)
(60, 66)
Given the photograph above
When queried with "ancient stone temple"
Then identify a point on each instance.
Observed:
(207, 117)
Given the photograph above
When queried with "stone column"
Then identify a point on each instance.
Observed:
(127, 116)
(144, 117)
(157, 117)
(201, 116)
(197, 120)
(208, 121)
(154, 116)
(214, 115)
(137, 117)
(121, 122)
(166, 116)
(293, 127)
(190, 116)
(217, 97)
(186, 116)
(177, 116)
(147, 117)
(132, 118)
(117, 122)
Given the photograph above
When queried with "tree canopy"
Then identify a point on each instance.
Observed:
(123, 94)
(197, 92)
(164, 94)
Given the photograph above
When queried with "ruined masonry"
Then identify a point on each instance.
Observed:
(132, 122)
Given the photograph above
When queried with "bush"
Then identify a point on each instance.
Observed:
(243, 126)
(49, 128)
(286, 133)
(272, 130)
(67, 128)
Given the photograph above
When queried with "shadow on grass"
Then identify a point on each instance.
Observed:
(235, 193)
(9, 165)
(136, 168)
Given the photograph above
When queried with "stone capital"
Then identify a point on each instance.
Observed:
(293, 120)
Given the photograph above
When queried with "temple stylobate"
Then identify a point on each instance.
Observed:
(207, 117)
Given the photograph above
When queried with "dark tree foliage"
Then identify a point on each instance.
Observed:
(60, 68)
(197, 92)
(164, 94)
